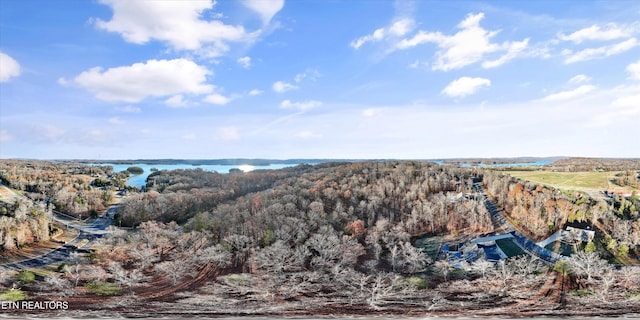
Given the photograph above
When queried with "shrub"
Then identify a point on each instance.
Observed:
(13, 295)
(26, 277)
(416, 282)
(103, 288)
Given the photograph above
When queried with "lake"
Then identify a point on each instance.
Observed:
(140, 180)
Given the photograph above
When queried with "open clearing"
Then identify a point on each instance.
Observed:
(589, 181)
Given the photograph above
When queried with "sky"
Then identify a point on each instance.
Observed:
(356, 79)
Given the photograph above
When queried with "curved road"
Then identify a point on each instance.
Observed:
(526, 244)
(90, 232)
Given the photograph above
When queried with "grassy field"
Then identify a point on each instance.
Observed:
(589, 181)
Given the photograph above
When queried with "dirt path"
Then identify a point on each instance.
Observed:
(163, 290)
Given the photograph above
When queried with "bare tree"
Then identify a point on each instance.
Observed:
(587, 264)
(607, 280)
(58, 284)
(144, 256)
(95, 273)
(444, 267)
(482, 265)
(124, 277)
(217, 255)
(175, 269)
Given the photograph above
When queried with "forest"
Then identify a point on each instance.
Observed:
(336, 237)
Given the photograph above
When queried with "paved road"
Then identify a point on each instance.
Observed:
(87, 232)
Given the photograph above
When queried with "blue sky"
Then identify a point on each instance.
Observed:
(118, 79)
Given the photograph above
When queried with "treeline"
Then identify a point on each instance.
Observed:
(540, 211)
(177, 195)
(590, 164)
(70, 187)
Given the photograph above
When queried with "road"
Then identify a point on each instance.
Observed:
(501, 223)
(89, 233)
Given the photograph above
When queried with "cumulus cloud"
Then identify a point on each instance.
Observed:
(154, 78)
(177, 23)
(302, 106)
(514, 50)
(579, 79)
(309, 74)
(255, 92)
(600, 52)
(9, 67)
(570, 94)
(217, 99)
(398, 28)
(469, 45)
(610, 31)
(245, 62)
(176, 101)
(281, 87)
(266, 9)
(465, 86)
(634, 70)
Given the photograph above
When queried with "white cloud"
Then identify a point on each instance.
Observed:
(255, 92)
(601, 52)
(398, 28)
(465, 86)
(302, 106)
(9, 67)
(129, 109)
(245, 62)
(228, 134)
(155, 78)
(178, 23)
(469, 45)
(609, 32)
(634, 70)
(310, 74)
(630, 104)
(217, 99)
(176, 101)
(266, 9)
(514, 50)
(569, 94)
(579, 79)
(116, 121)
(281, 86)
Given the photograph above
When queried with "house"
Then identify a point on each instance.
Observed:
(574, 235)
